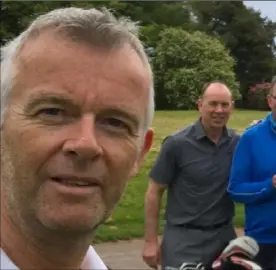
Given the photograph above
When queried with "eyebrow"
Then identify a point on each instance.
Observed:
(62, 100)
(41, 98)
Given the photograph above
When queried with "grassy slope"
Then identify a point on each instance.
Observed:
(128, 219)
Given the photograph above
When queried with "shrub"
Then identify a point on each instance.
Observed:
(184, 62)
(257, 96)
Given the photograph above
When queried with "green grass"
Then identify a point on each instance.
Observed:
(128, 219)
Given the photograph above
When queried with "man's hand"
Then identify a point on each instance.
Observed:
(151, 254)
(274, 181)
(254, 123)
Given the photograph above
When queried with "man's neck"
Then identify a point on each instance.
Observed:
(31, 252)
(214, 134)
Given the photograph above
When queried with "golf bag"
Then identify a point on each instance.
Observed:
(238, 255)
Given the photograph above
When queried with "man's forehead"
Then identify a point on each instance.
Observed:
(223, 96)
(34, 51)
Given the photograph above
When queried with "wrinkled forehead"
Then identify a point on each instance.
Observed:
(38, 52)
(50, 42)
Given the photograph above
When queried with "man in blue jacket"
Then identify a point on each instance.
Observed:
(253, 182)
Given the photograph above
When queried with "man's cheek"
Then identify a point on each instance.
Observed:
(114, 192)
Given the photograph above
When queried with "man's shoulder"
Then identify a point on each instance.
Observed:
(176, 139)
(183, 133)
(253, 130)
(252, 134)
(250, 131)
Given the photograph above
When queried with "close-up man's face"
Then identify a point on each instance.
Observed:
(216, 106)
(73, 132)
(272, 101)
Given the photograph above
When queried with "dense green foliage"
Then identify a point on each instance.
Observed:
(184, 62)
(249, 39)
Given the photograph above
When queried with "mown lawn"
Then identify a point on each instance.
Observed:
(128, 219)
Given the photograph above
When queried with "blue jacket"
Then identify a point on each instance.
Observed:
(254, 165)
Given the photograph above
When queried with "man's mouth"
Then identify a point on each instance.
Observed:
(77, 182)
(218, 118)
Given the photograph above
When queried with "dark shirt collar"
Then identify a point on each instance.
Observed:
(200, 133)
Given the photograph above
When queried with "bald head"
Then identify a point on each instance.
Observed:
(216, 88)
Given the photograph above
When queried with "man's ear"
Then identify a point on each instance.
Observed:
(199, 103)
(145, 147)
(269, 101)
(232, 105)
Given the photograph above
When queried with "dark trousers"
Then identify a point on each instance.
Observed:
(266, 258)
(181, 244)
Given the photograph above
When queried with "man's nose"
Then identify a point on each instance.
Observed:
(83, 144)
(219, 108)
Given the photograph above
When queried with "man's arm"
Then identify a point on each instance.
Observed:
(161, 176)
(241, 187)
(151, 251)
(152, 210)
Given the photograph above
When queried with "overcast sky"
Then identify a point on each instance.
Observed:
(267, 8)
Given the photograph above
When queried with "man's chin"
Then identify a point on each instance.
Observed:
(219, 122)
(73, 223)
(218, 125)
(71, 226)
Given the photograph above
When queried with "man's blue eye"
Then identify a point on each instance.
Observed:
(114, 124)
(51, 111)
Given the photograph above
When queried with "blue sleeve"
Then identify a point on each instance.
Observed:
(241, 187)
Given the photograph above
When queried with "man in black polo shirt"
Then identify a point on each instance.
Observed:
(193, 165)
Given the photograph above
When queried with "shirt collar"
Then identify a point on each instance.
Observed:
(5, 262)
(200, 133)
(91, 261)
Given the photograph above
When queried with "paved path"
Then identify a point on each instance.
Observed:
(122, 254)
(125, 254)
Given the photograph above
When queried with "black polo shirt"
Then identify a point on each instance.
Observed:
(196, 171)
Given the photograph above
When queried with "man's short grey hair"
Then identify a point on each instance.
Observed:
(99, 28)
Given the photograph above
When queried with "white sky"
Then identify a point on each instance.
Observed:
(267, 8)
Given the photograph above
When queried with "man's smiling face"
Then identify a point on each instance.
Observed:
(73, 133)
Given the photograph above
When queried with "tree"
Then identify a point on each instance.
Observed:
(184, 62)
(16, 15)
(248, 36)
